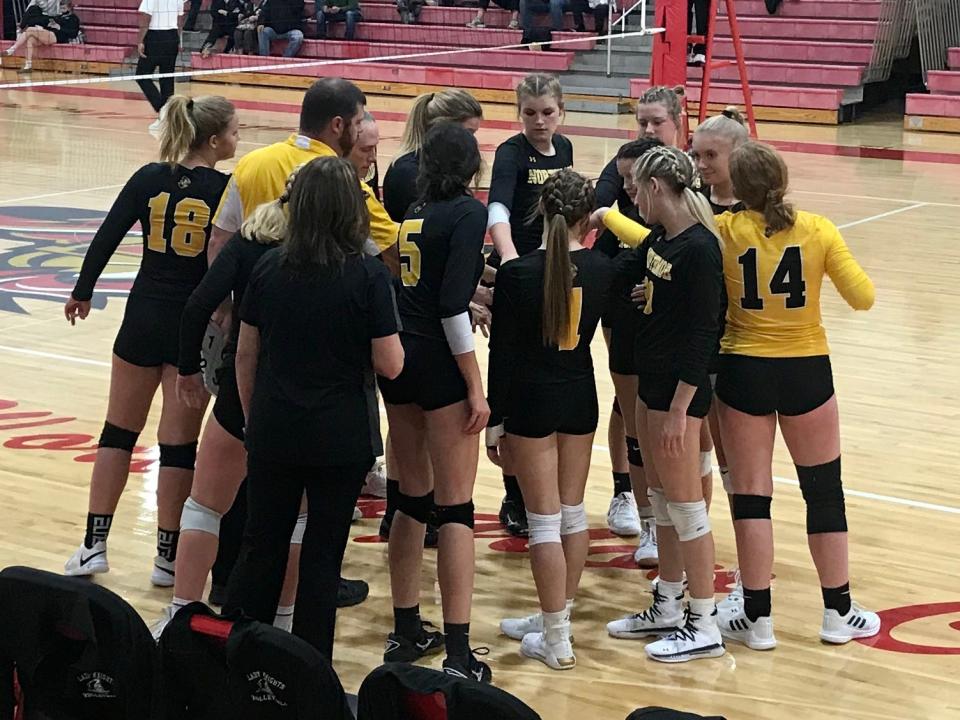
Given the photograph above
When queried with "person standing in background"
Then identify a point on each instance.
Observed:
(161, 22)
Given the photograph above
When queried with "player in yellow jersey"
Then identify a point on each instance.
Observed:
(775, 367)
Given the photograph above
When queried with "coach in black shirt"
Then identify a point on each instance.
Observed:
(317, 320)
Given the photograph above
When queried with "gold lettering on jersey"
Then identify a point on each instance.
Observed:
(539, 177)
(658, 266)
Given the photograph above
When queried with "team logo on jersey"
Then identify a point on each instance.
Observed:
(184, 183)
(96, 686)
(42, 249)
(266, 688)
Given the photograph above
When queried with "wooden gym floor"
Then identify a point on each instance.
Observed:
(64, 155)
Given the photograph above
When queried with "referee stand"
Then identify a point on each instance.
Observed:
(669, 66)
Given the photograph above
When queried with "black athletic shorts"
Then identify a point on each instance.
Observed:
(622, 350)
(150, 332)
(536, 411)
(657, 391)
(763, 386)
(430, 379)
(227, 409)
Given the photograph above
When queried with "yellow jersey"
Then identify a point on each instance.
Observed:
(261, 177)
(629, 232)
(773, 284)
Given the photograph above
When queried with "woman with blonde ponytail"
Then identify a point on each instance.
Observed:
(680, 268)
(543, 397)
(775, 370)
(221, 458)
(174, 201)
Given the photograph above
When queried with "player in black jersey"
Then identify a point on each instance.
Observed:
(660, 115)
(437, 406)
(400, 191)
(681, 268)
(173, 201)
(630, 512)
(221, 459)
(521, 166)
(713, 142)
(544, 396)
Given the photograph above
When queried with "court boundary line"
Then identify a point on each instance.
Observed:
(64, 192)
(882, 215)
(919, 504)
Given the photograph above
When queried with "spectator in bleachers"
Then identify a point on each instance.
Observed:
(410, 10)
(191, 23)
(336, 11)
(698, 22)
(600, 10)
(512, 5)
(62, 28)
(529, 8)
(226, 17)
(281, 20)
(245, 36)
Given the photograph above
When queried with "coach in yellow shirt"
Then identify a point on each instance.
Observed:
(330, 119)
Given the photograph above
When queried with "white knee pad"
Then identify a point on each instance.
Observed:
(297, 537)
(658, 501)
(690, 519)
(543, 528)
(574, 519)
(706, 463)
(198, 517)
(727, 480)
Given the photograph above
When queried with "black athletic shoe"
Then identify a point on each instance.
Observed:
(351, 592)
(773, 6)
(218, 595)
(513, 516)
(430, 539)
(401, 649)
(469, 668)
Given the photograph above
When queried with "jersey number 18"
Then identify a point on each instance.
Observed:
(190, 219)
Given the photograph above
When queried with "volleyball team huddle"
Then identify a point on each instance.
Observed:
(706, 283)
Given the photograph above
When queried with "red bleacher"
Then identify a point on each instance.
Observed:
(940, 109)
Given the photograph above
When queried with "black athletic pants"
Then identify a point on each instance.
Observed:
(231, 538)
(161, 48)
(698, 10)
(191, 24)
(274, 491)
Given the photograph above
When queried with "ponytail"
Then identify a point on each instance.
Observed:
(566, 199)
(177, 131)
(454, 105)
(557, 283)
(698, 206)
(267, 224)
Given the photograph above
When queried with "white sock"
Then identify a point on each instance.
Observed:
(178, 603)
(702, 607)
(569, 608)
(671, 590)
(283, 620)
(555, 626)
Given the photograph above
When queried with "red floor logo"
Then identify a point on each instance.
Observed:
(897, 618)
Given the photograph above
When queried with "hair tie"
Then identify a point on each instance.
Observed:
(190, 105)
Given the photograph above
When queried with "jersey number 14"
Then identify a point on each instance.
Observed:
(787, 279)
(190, 219)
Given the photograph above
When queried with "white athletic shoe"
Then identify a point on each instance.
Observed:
(858, 623)
(622, 516)
(88, 561)
(664, 615)
(357, 514)
(376, 482)
(647, 555)
(735, 625)
(163, 572)
(155, 126)
(161, 624)
(734, 599)
(698, 639)
(558, 656)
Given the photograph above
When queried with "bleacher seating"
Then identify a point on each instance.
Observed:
(940, 109)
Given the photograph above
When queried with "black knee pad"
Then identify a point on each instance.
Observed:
(417, 508)
(118, 438)
(616, 407)
(823, 493)
(460, 514)
(633, 452)
(179, 456)
(751, 507)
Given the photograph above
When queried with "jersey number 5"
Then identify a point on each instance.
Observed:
(572, 338)
(410, 252)
(787, 279)
(190, 219)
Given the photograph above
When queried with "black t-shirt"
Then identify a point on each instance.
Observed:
(441, 261)
(174, 207)
(519, 172)
(400, 185)
(314, 400)
(679, 324)
(518, 355)
(229, 273)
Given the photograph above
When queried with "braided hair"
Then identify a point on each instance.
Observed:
(566, 199)
(674, 167)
